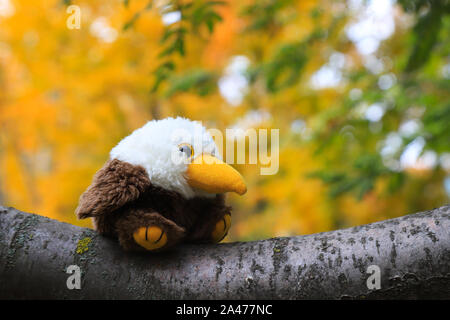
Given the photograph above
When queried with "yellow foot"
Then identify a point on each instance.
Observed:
(151, 238)
(221, 229)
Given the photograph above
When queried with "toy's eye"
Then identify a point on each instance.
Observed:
(186, 149)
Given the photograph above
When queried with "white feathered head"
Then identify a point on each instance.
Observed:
(179, 155)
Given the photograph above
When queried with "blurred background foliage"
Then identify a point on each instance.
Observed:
(359, 90)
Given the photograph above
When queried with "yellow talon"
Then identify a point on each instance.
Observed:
(221, 229)
(151, 238)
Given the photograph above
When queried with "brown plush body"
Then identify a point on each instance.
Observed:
(121, 199)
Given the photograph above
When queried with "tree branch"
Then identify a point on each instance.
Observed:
(412, 252)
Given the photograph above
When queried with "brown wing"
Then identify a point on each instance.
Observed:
(113, 186)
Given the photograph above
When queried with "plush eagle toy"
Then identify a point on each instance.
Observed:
(163, 184)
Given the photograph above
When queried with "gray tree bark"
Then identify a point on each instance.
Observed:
(412, 253)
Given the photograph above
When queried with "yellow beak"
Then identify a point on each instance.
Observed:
(212, 175)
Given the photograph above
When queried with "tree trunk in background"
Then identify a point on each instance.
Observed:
(412, 253)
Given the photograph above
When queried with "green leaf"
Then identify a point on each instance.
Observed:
(131, 22)
(200, 81)
(426, 32)
(168, 33)
(285, 68)
(162, 73)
